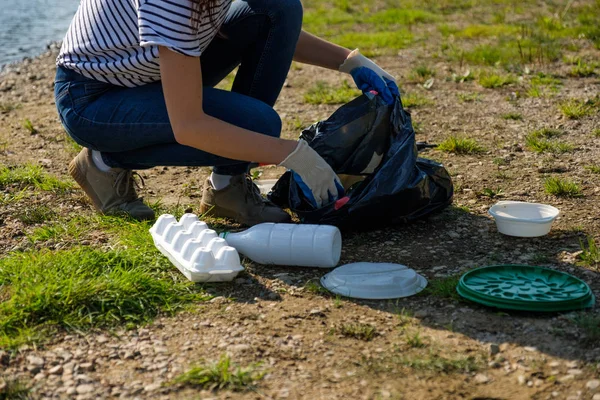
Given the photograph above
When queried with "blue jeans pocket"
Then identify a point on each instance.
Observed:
(83, 93)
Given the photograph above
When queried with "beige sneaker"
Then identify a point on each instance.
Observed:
(111, 192)
(240, 201)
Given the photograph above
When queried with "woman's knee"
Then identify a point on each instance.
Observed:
(268, 121)
(289, 12)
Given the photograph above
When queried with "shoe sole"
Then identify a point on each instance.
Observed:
(76, 173)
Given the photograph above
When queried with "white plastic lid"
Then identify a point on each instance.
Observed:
(365, 280)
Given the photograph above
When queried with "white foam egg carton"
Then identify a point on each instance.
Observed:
(198, 251)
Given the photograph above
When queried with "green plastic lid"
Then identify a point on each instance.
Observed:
(526, 288)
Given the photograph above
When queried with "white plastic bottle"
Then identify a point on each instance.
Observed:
(289, 244)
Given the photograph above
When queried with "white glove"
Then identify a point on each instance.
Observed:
(316, 174)
(357, 60)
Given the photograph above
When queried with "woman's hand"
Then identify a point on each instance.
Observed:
(315, 177)
(369, 76)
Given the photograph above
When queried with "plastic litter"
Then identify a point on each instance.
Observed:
(197, 251)
(372, 148)
(525, 288)
(289, 244)
(375, 281)
(265, 185)
(517, 218)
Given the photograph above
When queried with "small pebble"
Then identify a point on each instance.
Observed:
(56, 370)
(83, 389)
(494, 349)
(36, 361)
(593, 384)
(152, 387)
(481, 378)
(554, 364)
(566, 378)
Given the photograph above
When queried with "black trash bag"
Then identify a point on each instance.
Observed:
(374, 145)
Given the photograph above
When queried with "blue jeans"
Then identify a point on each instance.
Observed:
(130, 126)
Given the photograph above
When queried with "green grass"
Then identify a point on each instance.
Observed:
(296, 124)
(535, 91)
(14, 390)
(5, 108)
(460, 145)
(491, 193)
(323, 93)
(562, 187)
(492, 81)
(424, 361)
(466, 76)
(576, 109)
(29, 175)
(401, 17)
(28, 125)
(469, 97)
(72, 145)
(589, 324)
(590, 252)
(582, 70)
(443, 287)
(421, 73)
(222, 375)
(480, 31)
(414, 340)
(547, 133)
(596, 133)
(510, 51)
(413, 100)
(375, 43)
(542, 79)
(405, 317)
(513, 116)
(359, 331)
(227, 82)
(542, 85)
(541, 141)
(36, 214)
(82, 287)
(315, 288)
(594, 169)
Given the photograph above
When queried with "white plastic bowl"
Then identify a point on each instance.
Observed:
(518, 218)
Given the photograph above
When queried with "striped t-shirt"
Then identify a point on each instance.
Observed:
(117, 41)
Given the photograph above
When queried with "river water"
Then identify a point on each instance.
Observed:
(28, 26)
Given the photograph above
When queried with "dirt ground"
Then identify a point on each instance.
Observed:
(430, 346)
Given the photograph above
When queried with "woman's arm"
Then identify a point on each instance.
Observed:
(181, 78)
(316, 51)
(182, 87)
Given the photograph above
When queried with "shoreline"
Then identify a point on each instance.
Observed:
(29, 82)
(52, 47)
